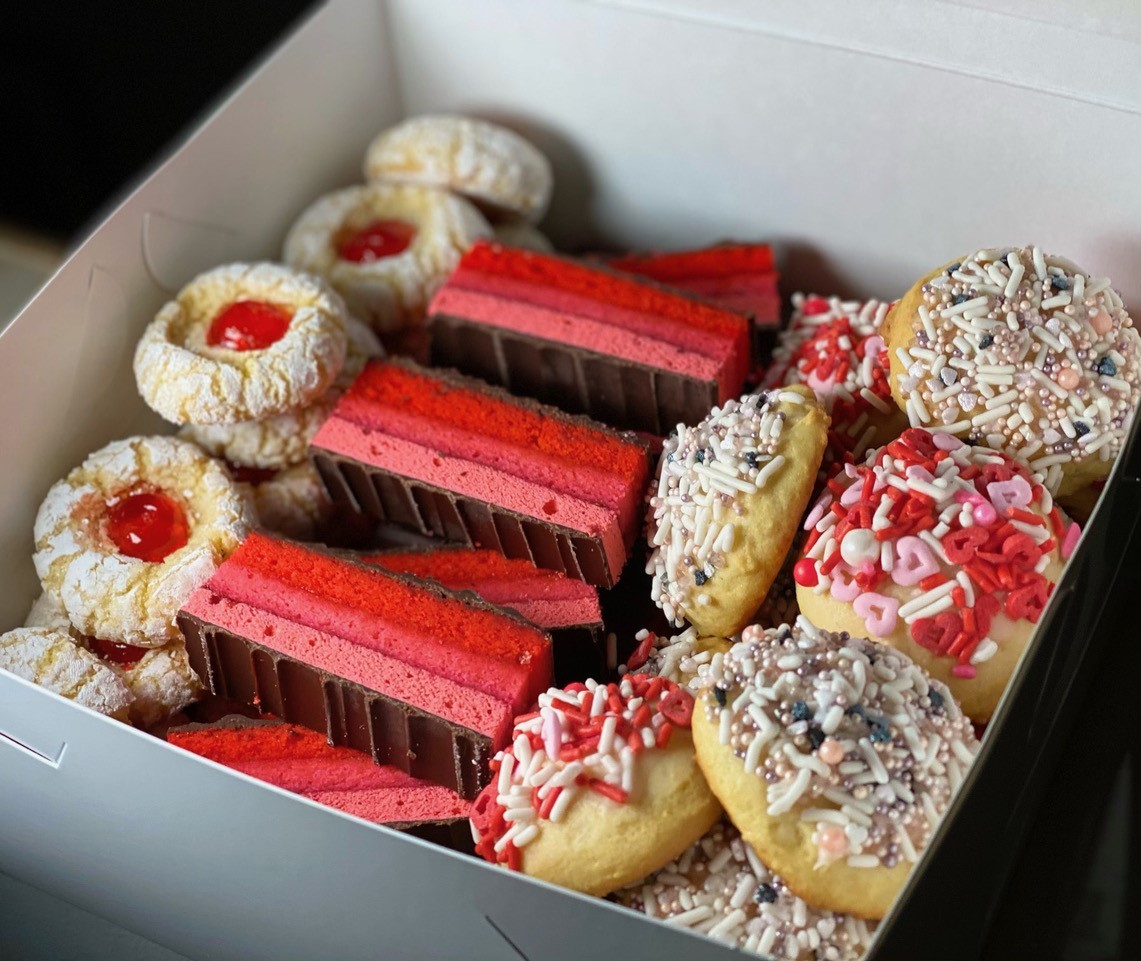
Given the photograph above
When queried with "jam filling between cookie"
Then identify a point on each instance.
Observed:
(251, 475)
(148, 525)
(376, 241)
(248, 325)
(125, 655)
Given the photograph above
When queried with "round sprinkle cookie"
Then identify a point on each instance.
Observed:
(731, 492)
(492, 166)
(834, 756)
(241, 342)
(599, 788)
(720, 888)
(945, 551)
(835, 348)
(53, 660)
(1024, 352)
(281, 441)
(385, 247)
(126, 537)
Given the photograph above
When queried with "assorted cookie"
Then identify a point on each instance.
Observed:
(730, 494)
(1022, 351)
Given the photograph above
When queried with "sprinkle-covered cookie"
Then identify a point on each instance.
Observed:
(834, 756)
(730, 494)
(945, 551)
(720, 888)
(385, 247)
(1025, 352)
(679, 659)
(492, 166)
(126, 537)
(834, 347)
(599, 787)
(241, 342)
(54, 661)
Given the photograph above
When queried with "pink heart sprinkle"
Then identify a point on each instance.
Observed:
(873, 345)
(820, 385)
(913, 562)
(1070, 541)
(878, 611)
(552, 731)
(1015, 492)
(947, 442)
(844, 586)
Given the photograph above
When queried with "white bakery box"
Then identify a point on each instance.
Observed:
(867, 141)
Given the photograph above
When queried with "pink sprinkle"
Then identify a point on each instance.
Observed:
(833, 840)
(552, 732)
(851, 495)
(913, 561)
(844, 586)
(1070, 542)
(831, 751)
(984, 514)
(1068, 378)
(964, 670)
(873, 345)
(880, 613)
(1015, 492)
(919, 472)
(947, 442)
(815, 515)
(1100, 321)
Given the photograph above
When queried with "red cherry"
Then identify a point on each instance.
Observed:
(804, 572)
(248, 325)
(380, 239)
(147, 525)
(115, 652)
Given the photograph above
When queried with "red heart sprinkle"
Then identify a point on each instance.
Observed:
(677, 707)
(960, 546)
(1027, 602)
(936, 633)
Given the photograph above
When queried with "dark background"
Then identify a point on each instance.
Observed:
(93, 95)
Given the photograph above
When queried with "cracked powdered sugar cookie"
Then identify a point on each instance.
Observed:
(385, 247)
(281, 441)
(519, 233)
(720, 888)
(1024, 352)
(834, 756)
(731, 492)
(492, 166)
(241, 342)
(54, 661)
(126, 537)
(293, 502)
(161, 680)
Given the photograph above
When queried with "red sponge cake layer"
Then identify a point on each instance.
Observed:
(449, 456)
(585, 339)
(569, 609)
(736, 276)
(299, 760)
(417, 676)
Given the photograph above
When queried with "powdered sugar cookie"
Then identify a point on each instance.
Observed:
(492, 166)
(385, 247)
(241, 342)
(126, 537)
(720, 888)
(945, 551)
(161, 680)
(53, 660)
(834, 347)
(730, 495)
(293, 502)
(281, 441)
(519, 233)
(599, 788)
(1024, 351)
(834, 756)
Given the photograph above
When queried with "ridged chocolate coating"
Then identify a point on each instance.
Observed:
(433, 511)
(617, 392)
(391, 731)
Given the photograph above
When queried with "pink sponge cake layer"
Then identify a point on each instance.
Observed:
(569, 609)
(452, 457)
(626, 351)
(299, 760)
(283, 624)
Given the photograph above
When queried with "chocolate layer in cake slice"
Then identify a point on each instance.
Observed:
(299, 760)
(736, 276)
(568, 609)
(402, 669)
(450, 456)
(587, 339)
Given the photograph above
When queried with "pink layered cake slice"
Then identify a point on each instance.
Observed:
(414, 675)
(299, 760)
(587, 339)
(568, 609)
(737, 276)
(452, 457)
